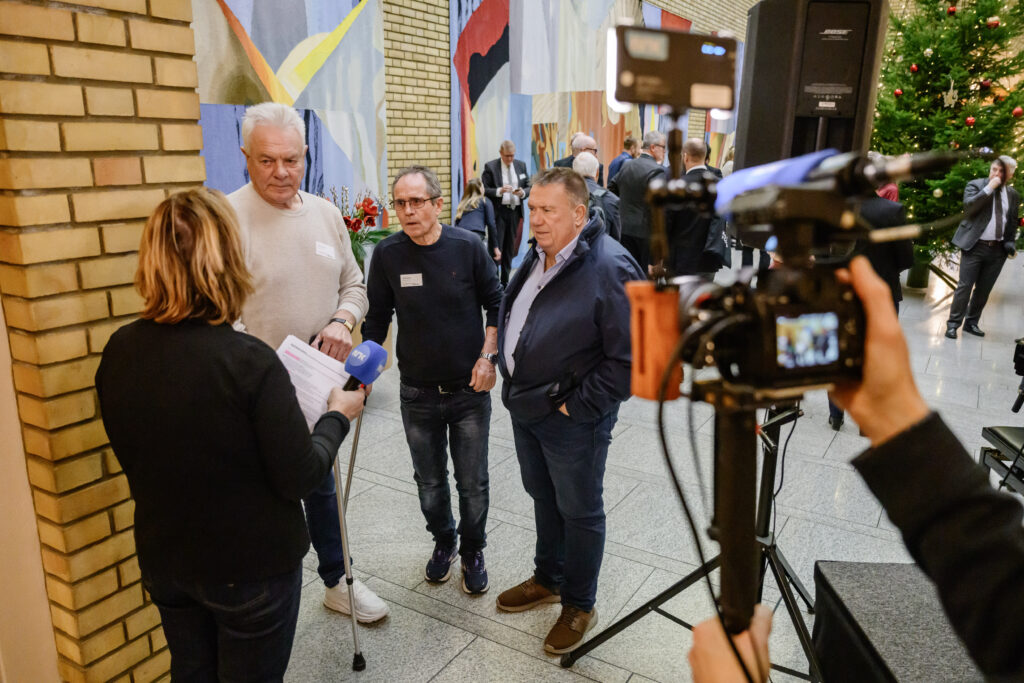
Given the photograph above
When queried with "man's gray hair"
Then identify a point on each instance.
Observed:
(1009, 163)
(653, 138)
(581, 141)
(271, 114)
(433, 184)
(507, 146)
(586, 165)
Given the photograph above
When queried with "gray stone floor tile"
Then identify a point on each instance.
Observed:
(406, 646)
(651, 519)
(823, 489)
(485, 660)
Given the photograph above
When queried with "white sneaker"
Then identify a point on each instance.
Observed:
(369, 607)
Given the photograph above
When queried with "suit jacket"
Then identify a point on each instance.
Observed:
(609, 204)
(978, 209)
(688, 237)
(616, 164)
(492, 183)
(566, 162)
(889, 259)
(630, 184)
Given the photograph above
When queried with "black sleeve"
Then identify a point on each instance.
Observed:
(613, 184)
(488, 287)
(966, 536)
(295, 461)
(1012, 216)
(381, 298)
(492, 231)
(490, 183)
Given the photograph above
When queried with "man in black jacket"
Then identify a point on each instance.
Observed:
(630, 184)
(696, 243)
(601, 200)
(437, 279)
(985, 237)
(507, 186)
(564, 354)
(581, 142)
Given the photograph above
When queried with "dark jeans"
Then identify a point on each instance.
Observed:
(979, 268)
(562, 465)
(228, 631)
(321, 508)
(431, 419)
(507, 223)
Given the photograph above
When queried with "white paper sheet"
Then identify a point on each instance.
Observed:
(313, 374)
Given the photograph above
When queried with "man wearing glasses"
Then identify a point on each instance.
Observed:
(507, 185)
(630, 184)
(437, 279)
(580, 143)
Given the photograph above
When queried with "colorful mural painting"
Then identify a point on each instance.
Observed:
(324, 57)
(533, 71)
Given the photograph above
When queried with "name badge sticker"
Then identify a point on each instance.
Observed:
(325, 250)
(411, 279)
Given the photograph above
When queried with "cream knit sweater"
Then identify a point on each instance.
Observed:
(302, 267)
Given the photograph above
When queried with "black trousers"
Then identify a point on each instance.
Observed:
(640, 249)
(979, 269)
(507, 221)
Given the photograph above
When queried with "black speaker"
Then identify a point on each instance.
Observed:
(810, 71)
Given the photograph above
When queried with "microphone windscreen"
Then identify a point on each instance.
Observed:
(366, 362)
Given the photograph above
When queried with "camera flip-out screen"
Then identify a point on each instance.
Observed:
(807, 341)
(681, 70)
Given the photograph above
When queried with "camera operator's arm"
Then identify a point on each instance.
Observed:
(966, 536)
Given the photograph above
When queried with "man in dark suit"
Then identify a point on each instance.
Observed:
(985, 237)
(507, 186)
(600, 199)
(694, 239)
(582, 143)
(630, 150)
(630, 185)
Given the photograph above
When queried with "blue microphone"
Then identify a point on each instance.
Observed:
(364, 365)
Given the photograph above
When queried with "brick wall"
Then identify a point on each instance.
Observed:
(417, 76)
(99, 124)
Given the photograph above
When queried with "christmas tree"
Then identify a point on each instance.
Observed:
(951, 79)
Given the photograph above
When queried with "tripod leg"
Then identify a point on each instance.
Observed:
(805, 595)
(794, 614)
(358, 662)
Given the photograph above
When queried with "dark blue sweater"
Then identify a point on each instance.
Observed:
(438, 292)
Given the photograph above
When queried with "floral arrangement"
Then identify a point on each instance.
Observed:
(366, 220)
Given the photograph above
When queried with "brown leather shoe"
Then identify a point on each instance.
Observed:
(567, 633)
(527, 595)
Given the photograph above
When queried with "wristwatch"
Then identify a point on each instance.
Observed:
(346, 323)
(492, 358)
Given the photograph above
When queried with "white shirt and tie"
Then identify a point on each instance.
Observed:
(995, 227)
(510, 178)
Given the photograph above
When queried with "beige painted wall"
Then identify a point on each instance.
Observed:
(27, 649)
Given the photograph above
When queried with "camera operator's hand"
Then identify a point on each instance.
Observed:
(713, 661)
(886, 401)
(348, 403)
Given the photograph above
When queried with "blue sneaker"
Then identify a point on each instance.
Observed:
(439, 568)
(474, 573)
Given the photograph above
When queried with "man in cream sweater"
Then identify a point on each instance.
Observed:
(307, 284)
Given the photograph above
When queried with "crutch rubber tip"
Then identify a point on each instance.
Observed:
(358, 663)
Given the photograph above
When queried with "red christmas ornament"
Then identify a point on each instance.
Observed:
(913, 68)
(951, 10)
(1017, 112)
(992, 22)
(897, 92)
(969, 120)
(986, 83)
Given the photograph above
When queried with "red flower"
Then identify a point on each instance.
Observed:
(370, 221)
(348, 221)
(356, 225)
(369, 207)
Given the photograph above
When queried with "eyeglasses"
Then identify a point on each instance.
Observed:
(415, 202)
(592, 150)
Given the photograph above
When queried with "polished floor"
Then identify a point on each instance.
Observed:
(823, 511)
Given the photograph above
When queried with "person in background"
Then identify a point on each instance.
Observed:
(986, 237)
(476, 214)
(581, 142)
(507, 185)
(630, 186)
(601, 200)
(204, 421)
(630, 150)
